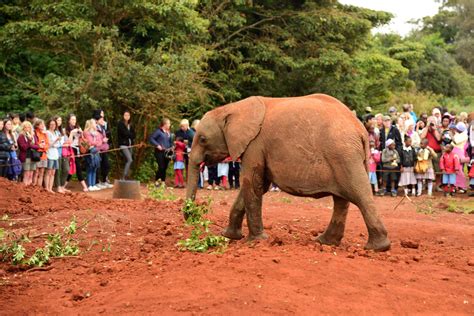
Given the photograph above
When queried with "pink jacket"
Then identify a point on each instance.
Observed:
(374, 159)
(94, 140)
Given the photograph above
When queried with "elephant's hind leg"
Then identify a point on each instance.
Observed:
(335, 230)
(236, 217)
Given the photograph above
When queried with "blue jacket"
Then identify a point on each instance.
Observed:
(159, 137)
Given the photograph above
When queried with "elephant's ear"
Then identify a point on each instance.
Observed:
(242, 123)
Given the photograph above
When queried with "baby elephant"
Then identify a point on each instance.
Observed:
(309, 146)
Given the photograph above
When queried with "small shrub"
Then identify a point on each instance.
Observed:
(161, 193)
(201, 239)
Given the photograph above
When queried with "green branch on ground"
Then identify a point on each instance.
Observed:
(161, 193)
(201, 239)
(57, 245)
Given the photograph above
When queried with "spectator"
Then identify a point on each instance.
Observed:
(234, 174)
(27, 142)
(65, 153)
(54, 141)
(30, 117)
(195, 125)
(392, 112)
(390, 132)
(214, 181)
(374, 159)
(423, 118)
(378, 123)
(424, 167)
(13, 169)
(460, 144)
(75, 134)
(449, 164)
(407, 162)
(433, 135)
(436, 113)
(370, 126)
(463, 118)
(95, 141)
(5, 148)
(161, 139)
(43, 144)
(187, 134)
(410, 132)
(179, 150)
(390, 163)
(223, 172)
(126, 139)
(16, 128)
(102, 181)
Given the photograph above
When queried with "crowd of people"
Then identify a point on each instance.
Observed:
(435, 151)
(48, 153)
(432, 152)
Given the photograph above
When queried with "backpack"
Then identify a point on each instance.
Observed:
(14, 169)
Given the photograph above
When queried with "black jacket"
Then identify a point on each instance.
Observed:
(126, 137)
(394, 134)
(408, 158)
(5, 146)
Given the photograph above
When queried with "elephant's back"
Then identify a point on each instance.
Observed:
(316, 112)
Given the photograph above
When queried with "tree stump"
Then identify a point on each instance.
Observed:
(126, 189)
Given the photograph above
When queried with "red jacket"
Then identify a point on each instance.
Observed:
(449, 163)
(179, 149)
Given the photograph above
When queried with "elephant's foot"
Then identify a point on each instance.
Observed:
(261, 236)
(378, 244)
(327, 239)
(231, 233)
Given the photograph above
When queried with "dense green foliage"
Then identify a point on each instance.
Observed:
(182, 58)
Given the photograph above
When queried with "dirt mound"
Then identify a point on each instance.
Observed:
(129, 262)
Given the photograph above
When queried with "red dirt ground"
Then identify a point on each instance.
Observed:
(129, 262)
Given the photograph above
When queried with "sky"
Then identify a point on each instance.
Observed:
(403, 10)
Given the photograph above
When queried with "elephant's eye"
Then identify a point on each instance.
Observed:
(202, 139)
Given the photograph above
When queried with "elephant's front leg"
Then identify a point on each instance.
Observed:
(234, 230)
(252, 189)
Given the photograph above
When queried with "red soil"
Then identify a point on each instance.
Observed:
(144, 273)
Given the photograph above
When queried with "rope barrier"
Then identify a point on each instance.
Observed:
(148, 145)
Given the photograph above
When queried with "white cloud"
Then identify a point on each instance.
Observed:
(403, 10)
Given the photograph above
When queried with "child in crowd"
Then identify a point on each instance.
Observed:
(424, 167)
(449, 165)
(234, 174)
(471, 178)
(374, 159)
(407, 161)
(43, 143)
(223, 172)
(390, 165)
(179, 149)
(213, 179)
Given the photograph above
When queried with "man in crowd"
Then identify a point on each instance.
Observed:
(187, 134)
(389, 131)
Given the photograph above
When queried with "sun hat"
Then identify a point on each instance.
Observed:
(389, 142)
(386, 118)
(368, 109)
(461, 127)
(392, 109)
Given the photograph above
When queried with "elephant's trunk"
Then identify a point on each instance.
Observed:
(193, 178)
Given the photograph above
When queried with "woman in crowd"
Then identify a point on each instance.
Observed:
(102, 182)
(95, 142)
(12, 171)
(5, 148)
(27, 142)
(40, 133)
(64, 152)
(161, 139)
(126, 138)
(54, 141)
(414, 135)
(460, 143)
(74, 132)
